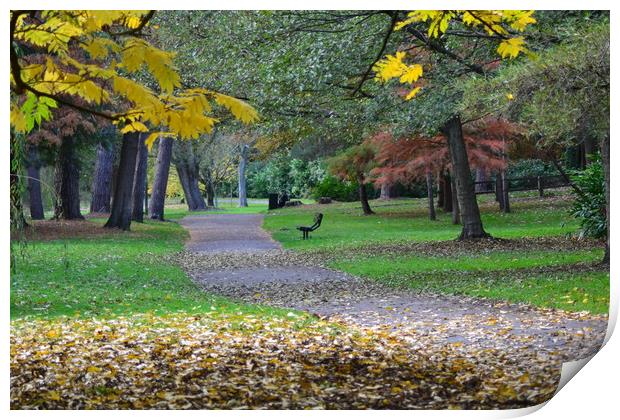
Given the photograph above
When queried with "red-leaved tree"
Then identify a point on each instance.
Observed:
(417, 158)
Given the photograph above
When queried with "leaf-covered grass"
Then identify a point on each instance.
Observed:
(380, 266)
(112, 274)
(507, 275)
(344, 225)
(571, 291)
(510, 276)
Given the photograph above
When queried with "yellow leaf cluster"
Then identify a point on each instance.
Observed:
(493, 22)
(511, 47)
(392, 66)
(183, 113)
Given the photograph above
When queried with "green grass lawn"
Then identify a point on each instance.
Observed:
(515, 276)
(112, 274)
(497, 275)
(344, 225)
(380, 266)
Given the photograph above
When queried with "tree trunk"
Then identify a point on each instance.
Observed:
(505, 191)
(605, 163)
(589, 145)
(456, 212)
(189, 182)
(122, 205)
(243, 161)
(481, 176)
(429, 190)
(182, 172)
(364, 197)
(466, 196)
(188, 170)
(102, 180)
(440, 191)
(67, 180)
(34, 184)
(210, 189)
(447, 193)
(139, 181)
(160, 182)
(388, 191)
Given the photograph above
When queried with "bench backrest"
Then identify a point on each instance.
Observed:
(317, 221)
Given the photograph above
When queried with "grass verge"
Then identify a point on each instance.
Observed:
(112, 274)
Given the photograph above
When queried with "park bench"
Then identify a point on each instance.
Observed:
(307, 229)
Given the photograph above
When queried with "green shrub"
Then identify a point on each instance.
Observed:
(528, 168)
(589, 206)
(338, 190)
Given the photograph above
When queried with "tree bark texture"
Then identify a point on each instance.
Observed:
(139, 181)
(388, 191)
(447, 193)
(456, 212)
(122, 205)
(243, 161)
(364, 197)
(466, 196)
(34, 184)
(102, 180)
(440, 191)
(210, 188)
(429, 190)
(188, 171)
(67, 182)
(160, 182)
(189, 182)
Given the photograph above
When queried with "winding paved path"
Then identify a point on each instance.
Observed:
(258, 271)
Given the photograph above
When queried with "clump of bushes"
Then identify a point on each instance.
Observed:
(589, 205)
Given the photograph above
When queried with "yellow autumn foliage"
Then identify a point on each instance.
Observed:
(179, 113)
(496, 23)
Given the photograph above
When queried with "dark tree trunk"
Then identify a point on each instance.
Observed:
(67, 180)
(589, 146)
(160, 182)
(122, 205)
(364, 197)
(184, 180)
(440, 191)
(102, 180)
(188, 170)
(189, 181)
(505, 191)
(243, 161)
(456, 212)
(605, 163)
(34, 184)
(447, 193)
(139, 181)
(468, 205)
(210, 189)
(429, 190)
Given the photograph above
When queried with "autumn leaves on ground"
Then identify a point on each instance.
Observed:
(102, 320)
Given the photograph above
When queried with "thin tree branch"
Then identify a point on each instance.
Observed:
(386, 38)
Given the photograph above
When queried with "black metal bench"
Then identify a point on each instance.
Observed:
(307, 229)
